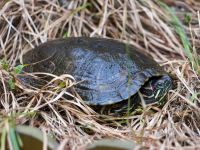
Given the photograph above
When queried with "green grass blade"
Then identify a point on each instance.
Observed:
(14, 139)
(3, 139)
(177, 25)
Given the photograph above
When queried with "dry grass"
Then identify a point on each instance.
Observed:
(143, 23)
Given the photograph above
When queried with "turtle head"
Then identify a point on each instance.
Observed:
(156, 89)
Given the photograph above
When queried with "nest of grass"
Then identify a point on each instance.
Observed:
(166, 30)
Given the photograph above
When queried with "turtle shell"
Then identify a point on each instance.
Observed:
(109, 71)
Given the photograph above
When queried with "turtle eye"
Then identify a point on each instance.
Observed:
(159, 84)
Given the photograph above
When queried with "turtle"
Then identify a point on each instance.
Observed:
(111, 75)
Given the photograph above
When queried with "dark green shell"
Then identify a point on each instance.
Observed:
(110, 71)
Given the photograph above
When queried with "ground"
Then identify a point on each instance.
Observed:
(166, 30)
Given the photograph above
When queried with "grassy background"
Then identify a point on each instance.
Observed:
(167, 30)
